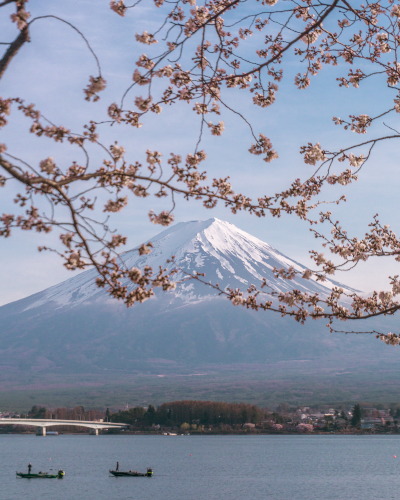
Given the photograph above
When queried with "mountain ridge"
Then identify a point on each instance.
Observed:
(228, 256)
(74, 329)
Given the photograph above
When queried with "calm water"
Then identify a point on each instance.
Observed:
(204, 468)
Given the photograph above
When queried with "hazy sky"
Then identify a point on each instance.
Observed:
(52, 71)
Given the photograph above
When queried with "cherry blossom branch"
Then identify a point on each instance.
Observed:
(201, 76)
(6, 2)
(75, 29)
(13, 49)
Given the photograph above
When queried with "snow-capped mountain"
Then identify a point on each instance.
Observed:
(72, 333)
(227, 255)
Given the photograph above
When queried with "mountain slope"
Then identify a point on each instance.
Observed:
(226, 254)
(73, 328)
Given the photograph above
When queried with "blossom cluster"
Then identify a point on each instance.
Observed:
(206, 56)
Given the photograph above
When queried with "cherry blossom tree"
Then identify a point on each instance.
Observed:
(305, 428)
(199, 53)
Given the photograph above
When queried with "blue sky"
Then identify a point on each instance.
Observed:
(52, 71)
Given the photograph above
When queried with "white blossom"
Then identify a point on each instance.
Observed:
(47, 165)
(217, 129)
(117, 151)
(314, 154)
(356, 161)
(96, 85)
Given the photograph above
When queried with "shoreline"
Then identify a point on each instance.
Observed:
(202, 434)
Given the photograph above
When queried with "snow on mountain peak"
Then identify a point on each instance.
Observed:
(226, 254)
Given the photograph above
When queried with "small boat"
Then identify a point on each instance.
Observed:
(43, 475)
(132, 473)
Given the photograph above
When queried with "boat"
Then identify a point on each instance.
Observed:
(132, 473)
(42, 475)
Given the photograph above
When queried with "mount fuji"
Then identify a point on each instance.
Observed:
(227, 255)
(75, 328)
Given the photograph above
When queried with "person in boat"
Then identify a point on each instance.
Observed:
(117, 467)
(29, 468)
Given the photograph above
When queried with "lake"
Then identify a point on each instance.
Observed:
(203, 467)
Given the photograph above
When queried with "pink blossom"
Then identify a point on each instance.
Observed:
(20, 18)
(305, 428)
(217, 129)
(314, 154)
(145, 38)
(164, 218)
(118, 7)
(96, 85)
(48, 166)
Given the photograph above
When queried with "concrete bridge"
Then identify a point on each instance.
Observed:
(42, 423)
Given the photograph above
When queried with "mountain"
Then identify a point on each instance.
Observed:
(74, 330)
(226, 254)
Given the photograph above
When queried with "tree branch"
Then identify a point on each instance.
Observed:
(278, 54)
(2, 4)
(13, 49)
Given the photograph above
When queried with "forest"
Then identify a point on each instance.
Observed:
(196, 413)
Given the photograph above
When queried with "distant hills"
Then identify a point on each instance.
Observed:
(73, 331)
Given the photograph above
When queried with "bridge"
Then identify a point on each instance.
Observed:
(42, 423)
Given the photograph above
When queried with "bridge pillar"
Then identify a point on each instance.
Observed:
(40, 431)
(94, 432)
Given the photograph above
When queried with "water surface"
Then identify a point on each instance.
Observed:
(204, 467)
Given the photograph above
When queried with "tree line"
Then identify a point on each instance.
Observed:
(204, 413)
(77, 413)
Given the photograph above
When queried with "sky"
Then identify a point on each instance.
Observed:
(52, 70)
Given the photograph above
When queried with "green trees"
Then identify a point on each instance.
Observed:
(278, 418)
(37, 412)
(176, 413)
(208, 413)
(150, 415)
(357, 415)
(131, 416)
